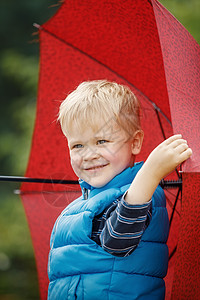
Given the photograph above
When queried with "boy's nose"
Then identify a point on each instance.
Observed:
(90, 154)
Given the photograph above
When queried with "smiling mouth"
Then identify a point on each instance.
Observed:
(95, 168)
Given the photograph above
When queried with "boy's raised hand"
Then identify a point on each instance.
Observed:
(167, 156)
(161, 161)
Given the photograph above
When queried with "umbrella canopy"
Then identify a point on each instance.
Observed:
(137, 43)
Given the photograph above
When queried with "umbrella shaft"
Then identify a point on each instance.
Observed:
(36, 180)
(164, 183)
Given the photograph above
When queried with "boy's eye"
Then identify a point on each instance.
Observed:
(100, 142)
(77, 146)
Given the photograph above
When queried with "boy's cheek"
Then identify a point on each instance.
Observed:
(74, 156)
(75, 162)
(112, 150)
(76, 169)
(108, 151)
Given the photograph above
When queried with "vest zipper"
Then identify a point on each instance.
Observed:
(85, 193)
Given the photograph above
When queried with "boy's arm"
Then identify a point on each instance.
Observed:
(161, 161)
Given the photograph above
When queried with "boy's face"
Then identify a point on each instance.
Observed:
(97, 156)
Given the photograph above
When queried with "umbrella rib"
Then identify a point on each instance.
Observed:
(107, 67)
(159, 121)
(173, 252)
(174, 208)
(157, 110)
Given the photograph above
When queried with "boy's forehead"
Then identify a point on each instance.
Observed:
(109, 128)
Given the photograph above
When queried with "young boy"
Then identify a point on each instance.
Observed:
(111, 242)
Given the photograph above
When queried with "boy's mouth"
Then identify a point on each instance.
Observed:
(95, 168)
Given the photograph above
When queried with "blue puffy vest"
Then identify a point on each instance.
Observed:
(80, 269)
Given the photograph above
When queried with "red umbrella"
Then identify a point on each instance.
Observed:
(138, 43)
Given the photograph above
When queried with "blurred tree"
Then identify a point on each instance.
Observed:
(18, 71)
(188, 14)
(18, 84)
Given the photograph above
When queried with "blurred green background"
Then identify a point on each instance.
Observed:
(19, 63)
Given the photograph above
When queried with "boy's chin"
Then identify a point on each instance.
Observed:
(97, 183)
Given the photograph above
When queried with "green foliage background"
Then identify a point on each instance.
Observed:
(19, 60)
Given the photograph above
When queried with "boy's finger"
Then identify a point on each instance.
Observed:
(178, 142)
(182, 147)
(185, 154)
(173, 138)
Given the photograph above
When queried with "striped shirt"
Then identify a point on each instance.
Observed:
(119, 228)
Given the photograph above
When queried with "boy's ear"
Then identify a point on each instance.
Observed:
(137, 142)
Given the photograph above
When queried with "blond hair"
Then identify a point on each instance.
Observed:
(100, 98)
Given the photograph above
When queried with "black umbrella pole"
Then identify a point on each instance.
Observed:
(165, 184)
(36, 180)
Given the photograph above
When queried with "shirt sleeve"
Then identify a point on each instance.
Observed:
(124, 227)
